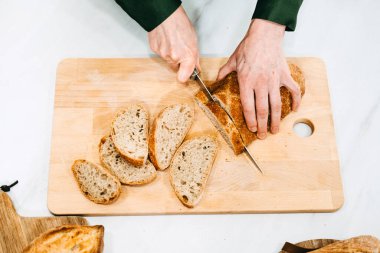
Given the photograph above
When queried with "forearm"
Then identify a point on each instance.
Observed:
(149, 13)
(279, 11)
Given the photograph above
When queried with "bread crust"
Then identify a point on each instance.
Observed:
(99, 168)
(33, 246)
(152, 136)
(360, 244)
(228, 94)
(138, 182)
(224, 122)
(204, 181)
(135, 162)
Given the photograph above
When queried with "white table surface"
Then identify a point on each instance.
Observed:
(36, 35)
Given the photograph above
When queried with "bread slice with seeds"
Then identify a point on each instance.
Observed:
(167, 133)
(191, 167)
(96, 183)
(130, 134)
(121, 168)
(69, 238)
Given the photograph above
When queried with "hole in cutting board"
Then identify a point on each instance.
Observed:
(303, 128)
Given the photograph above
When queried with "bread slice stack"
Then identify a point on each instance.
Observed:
(226, 91)
(124, 155)
(69, 238)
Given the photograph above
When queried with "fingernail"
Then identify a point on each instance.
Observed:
(262, 135)
(275, 130)
(253, 129)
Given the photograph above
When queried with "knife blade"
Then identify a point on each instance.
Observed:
(195, 76)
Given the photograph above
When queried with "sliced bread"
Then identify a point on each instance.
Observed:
(96, 183)
(130, 134)
(69, 238)
(167, 133)
(121, 168)
(191, 167)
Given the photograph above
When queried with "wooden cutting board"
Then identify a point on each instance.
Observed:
(300, 174)
(17, 232)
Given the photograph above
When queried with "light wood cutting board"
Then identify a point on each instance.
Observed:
(17, 232)
(300, 174)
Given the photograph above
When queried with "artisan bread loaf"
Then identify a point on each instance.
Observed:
(126, 172)
(69, 238)
(167, 133)
(130, 134)
(191, 167)
(360, 244)
(226, 91)
(95, 182)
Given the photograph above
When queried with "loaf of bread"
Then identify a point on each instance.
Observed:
(129, 133)
(360, 244)
(69, 238)
(126, 172)
(191, 167)
(167, 133)
(95, 182)
(226, 91)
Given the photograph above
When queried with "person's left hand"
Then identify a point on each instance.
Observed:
(262, 69)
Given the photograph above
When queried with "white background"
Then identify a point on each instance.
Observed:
(36, 34)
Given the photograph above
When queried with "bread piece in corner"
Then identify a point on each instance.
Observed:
(130, 134)
(95, 182)
(168, 132)
(191, 167)
(69, 238)
(121, 168)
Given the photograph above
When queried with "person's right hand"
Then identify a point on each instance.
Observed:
(175, 41)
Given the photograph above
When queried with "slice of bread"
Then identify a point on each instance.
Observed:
(167, 133)
(226, 91)
(130, 134)
(121, 168)
(96, 183)
(191, 167)
(69, 238)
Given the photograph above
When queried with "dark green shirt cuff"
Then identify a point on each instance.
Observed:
(283, 12)
(149, 13)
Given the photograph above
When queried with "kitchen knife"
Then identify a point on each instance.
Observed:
(195, 76)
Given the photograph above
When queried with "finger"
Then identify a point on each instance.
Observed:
(247, 98)
(227, 68)
(173, 65)
(275, 109)
(262, 109)
(198, 65)
(295, 91)
(186, 68)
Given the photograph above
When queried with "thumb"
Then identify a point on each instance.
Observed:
(227, 68)
(186, 68)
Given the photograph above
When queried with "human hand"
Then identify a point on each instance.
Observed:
(175, 41)
(262, 69)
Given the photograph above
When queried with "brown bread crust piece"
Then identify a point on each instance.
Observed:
(360, 244)
(87, 239)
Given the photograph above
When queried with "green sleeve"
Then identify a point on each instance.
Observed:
(149, 13)
(279, 11)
